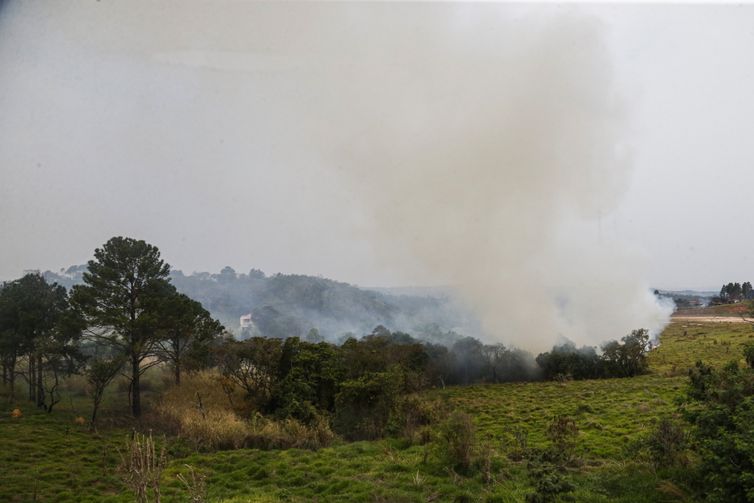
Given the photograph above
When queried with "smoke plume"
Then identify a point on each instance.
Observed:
(492, 163)
(474, 145)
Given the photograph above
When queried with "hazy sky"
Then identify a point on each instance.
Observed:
(219, 131)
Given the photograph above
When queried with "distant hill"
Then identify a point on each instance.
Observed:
(285, 305)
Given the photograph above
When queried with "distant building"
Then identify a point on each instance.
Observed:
(245, 321)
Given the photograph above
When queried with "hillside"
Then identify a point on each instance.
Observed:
(287, 305)
(55, 460)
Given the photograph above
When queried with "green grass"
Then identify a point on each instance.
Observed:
(609, 412)
(684, 343)
(49, 458)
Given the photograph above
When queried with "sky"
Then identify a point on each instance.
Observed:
(254, 134)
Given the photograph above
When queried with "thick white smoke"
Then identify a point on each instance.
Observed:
(491, 161)
(484, 141)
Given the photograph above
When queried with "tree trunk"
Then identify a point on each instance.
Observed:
(177, 374)
(40, 384)
(12, 380)
(32, 379)
(135, 388)
(5, 373)
(53, 394)
(97, 399)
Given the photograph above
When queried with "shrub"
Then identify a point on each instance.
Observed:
(364, 406)
(547, 467)
(289, 433)
(457, 441)
(520, 445)
(720, 406)
(749, 355)
(548, 477)
(205, 418)
(562, 432)
(667, 443)
(412, 417)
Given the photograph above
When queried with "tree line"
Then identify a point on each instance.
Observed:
(734, 292)
(127, 317)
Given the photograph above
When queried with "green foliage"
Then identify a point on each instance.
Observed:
(99, 372)
(457, 441)
(610, 413)
(38, 325)
(308, 379)
(667, 443)
(548, 466)
(364, 405)
(187, 332)
(548, 477)
(749, 355)
(124, 289)
(562, 432)
(720, 406)
(254, 366)
(627, 358)
(566, 361)
(624, 358)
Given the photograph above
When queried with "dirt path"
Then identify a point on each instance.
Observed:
(711, 319)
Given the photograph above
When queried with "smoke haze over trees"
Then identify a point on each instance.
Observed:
(291, 305)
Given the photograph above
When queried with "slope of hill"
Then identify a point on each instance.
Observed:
(286, 305)
(53, 459)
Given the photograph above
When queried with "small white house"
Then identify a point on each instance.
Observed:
(246, 320)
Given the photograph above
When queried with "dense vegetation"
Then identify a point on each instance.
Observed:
(52, 456)
(377, 418)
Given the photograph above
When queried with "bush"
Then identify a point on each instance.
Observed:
(749, 355)
(413, 416)
(206, 430)
(289, 433)
(562, 432)
(207, 419)
(720, 406)
(667, 443)
(457, 441)
(548, 477)
(364, 406)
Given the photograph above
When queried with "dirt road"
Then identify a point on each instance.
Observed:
(711, 319)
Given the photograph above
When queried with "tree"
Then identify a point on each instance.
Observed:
(99, 372)
(122, 295)
(568, 361)
(11, 338)
(308, 378)
(720, 407)
(627, 358)
(36, 323)
(253, 364)
(187, 330)
(746, 290)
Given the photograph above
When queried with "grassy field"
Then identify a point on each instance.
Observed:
(49, 458)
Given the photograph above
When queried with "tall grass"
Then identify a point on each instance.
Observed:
(202, 411)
